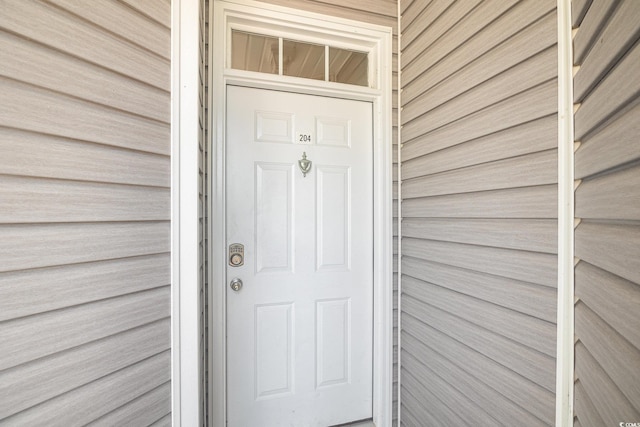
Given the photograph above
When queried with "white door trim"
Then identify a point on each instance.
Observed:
(334, 31)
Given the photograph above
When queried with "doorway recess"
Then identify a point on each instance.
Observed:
(334, 46)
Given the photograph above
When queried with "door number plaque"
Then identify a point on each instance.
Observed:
(236, 254)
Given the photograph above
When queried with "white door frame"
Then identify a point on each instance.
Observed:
(268, 19)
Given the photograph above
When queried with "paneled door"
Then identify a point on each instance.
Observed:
(299, 292)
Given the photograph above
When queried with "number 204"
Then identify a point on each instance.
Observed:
(305, 138)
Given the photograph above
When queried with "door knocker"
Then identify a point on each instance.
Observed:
(305, 165)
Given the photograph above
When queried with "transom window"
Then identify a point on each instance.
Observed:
(276, 55)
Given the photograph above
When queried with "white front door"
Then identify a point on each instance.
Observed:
(299, 331)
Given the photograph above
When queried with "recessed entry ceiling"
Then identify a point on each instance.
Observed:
(255, 52)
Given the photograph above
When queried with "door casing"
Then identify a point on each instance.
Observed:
(292, 23)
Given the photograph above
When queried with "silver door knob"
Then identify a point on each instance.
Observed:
(236, 284)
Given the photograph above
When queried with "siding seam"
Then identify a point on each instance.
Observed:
(399, 185)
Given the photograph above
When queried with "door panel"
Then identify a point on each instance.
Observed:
(333, 332)
(333, 217)
(299, 331)
(274, 217)
(273, 350)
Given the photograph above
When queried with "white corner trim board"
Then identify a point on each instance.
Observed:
(185, 330)
(301, 25)
(565, 327)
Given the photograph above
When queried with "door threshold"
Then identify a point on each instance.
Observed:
(361, 423)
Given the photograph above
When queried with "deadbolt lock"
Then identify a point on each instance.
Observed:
(236, 254)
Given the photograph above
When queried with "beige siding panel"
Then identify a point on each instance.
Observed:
(528, 331)
(481, 53)
(533, 235)
(536, 70)
(433, 21)
(410, 9)
(613, 196)
(620, 33)
(85, 231)
(611, 298)
(525, 361)
(616, 144)
(420, 414)
(584, 408)
(451, 403)
(612, 352)
(37, 200)
(30, 108)
(416, 415)
(478, 33)
(609, 96)
(594, 19)
(607, 240)
(540, 101)
(49, 289)
(525, 171)
(97, 398)
(531, 137)
(158, 10)
(528, 42)
(34, 383)
(143, 411)
(421, 56)
(350, 11)
(512, 386)
(606, 397)
(578, 9)
(612, 247)
(381, 7)
(163, 422)
(474, 390)
(117, 18)
(404, 5)
(36, 64)
(408, 418)
(60, 30)
(530, 267)
(527, 298)
(64, 329)
(36, 246)
(528, 202)
(414, 380)
(38, 155)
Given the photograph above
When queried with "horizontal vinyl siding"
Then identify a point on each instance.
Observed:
(479, 207)
(379, 12)
(607, 242)
(85, 218)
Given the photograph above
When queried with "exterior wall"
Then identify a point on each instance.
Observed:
(85, 212)
(607, 238)
(479, 208)
(380, 12)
